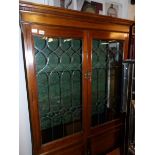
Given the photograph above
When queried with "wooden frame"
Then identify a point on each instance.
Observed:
(59, 22)
(98, 135)
(33, 92)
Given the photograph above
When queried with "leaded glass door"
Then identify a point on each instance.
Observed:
(59, 79)
(107, 51)
(58, 63)
(106, 80)
(106, 54)
(74, 82)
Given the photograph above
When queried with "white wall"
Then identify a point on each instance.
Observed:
(55, 3)
(25, 146)
(36, 1)
(131, 12)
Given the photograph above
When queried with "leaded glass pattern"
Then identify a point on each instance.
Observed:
(106, 80)
(59, 79)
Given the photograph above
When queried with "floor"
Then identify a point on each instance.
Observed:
(115, 152)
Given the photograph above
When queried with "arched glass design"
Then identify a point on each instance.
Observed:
(58, 64)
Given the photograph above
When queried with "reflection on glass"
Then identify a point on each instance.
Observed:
(59, 80)
(106, 80)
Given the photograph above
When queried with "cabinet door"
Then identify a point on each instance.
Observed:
(107, 50)
(55, 80)
(106, 80)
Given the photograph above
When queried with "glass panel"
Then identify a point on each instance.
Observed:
(59, 80)
(106, 80)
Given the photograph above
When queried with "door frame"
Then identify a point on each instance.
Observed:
(116, 125)
(78, 139)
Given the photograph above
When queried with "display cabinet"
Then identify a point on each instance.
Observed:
(73, 67)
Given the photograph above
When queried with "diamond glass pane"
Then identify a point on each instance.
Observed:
(106, 80)
(59, 80)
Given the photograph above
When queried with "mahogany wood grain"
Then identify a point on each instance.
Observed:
(114, 152)
(58, 21)
(56, 16)
(76, 149)
(32, 88)
(89, 68)
(106, 126)
(85, 88)
(62, 144)
(126, 47)
(105, 142)
(38, 148)
(52, 31)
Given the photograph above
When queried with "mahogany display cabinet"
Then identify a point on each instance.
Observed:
(73, 68)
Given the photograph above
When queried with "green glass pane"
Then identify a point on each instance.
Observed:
(54, 89)
(45, 122)
(106, 80)
(102, 74)
(46, 51)
(65, 44)
(59, 81)
(76, 88)
(53, 44)
(76, 59)
(70, 52)
(43, 93)
(96, 44)
(40, 61)
(39, 42)
(64, 59)
(66, 89)
(53, 61)
(76, 44)
(94, 91)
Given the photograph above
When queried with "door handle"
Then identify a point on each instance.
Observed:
(87, 75)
